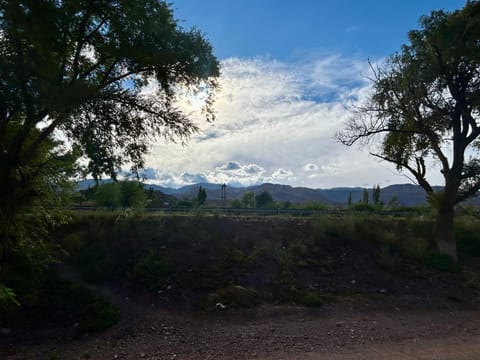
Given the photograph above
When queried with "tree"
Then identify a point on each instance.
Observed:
(125, 194)
(108, 195)
(264, 199)
(349, 199)
(132, 195)
(365, 196)
(425, 103)
(248, 200)
(80, 69)
(376, 195)
(201, 196)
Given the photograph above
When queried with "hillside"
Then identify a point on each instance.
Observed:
(405, 194)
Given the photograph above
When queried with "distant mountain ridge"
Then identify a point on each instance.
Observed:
(405, 194)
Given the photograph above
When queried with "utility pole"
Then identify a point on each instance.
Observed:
(224, 195)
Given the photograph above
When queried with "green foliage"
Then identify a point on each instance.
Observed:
(467, 233)
(7, 297)
(100, 315)
(363, 207)
(125, 194)
(201, 196)
(248, 200)
(108, 195)
(236, 204)
(263, 200)
(311, 299)
(414, 93)
(151, 270)
(78, 68)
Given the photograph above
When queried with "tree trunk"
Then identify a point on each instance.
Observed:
(444, 232)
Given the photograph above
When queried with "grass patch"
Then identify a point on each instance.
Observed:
(313, 299)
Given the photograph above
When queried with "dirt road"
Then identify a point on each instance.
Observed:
(338, 331)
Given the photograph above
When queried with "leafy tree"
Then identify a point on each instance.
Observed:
(201, 196)
(248, 200)
(108, 195)
(236, 204)
(426, 102)
(264, 199)
(126, 194)
(132, 195)
(79, 69)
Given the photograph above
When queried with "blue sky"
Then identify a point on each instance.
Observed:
(290, 73)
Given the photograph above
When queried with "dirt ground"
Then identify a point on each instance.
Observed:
(360, 330)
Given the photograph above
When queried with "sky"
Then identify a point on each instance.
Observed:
(290, 74)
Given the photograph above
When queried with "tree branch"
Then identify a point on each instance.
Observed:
(421, 180)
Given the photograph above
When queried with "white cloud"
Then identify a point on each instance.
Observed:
(276, 122)
(309, 167)
(282, 175)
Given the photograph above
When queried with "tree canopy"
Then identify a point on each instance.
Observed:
(73, 76)
(426, 103)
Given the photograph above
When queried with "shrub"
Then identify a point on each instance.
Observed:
(151, 270)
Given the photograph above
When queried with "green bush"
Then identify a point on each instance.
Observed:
(99, 315)
(151, 270)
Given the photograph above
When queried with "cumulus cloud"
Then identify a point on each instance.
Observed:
(282, 175)
(276, 122)
(310, 167)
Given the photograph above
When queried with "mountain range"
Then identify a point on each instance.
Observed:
(405, 194)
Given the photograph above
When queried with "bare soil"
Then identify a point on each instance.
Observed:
(358, 330)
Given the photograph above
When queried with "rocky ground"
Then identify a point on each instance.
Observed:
(387, 329)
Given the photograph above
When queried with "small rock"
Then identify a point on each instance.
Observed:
(169, 287)
(5, 331)
(353, 281)
(142, 355)
(220, 305)
(383, 291)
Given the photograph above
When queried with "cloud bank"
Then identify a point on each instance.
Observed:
(275, 123)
